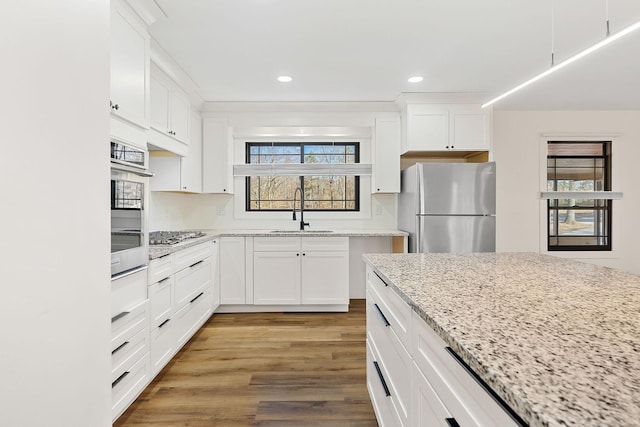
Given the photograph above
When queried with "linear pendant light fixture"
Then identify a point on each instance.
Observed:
(608, 40)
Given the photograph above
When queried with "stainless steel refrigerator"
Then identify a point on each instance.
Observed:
(449, 207)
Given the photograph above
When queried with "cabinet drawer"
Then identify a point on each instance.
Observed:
(464, 398)
(127, 353)
(379, 390)
(190, 317)
(162, 344)
(161, 268)
(325, 243)
(190, 256)
(427, 409)
(276, 244)
(129, 385)
(128, 291)
(394, 357)
(396, 311)
(160, 301)
(128, 323)
(190, 281)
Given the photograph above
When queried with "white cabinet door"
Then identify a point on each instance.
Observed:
(232, 270)
(179, 113)
(386, 156)
(427, 128)
(215, 276)
(217, 157)
(447, 127)
(325, 277)
(170, 113)
(276, 278)
(160, 96)
(469, 128)
(175, 173)
(191, 167)
(129, 86)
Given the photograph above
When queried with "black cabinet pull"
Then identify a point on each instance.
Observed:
(165, 279)
(199, 295)
(518, 420)
(120, 378)
(118, 348)
(384, 383)
(196, 263)
(382, 316)
(381, 279)
(452, 422)
(119, 316)
(163, 323)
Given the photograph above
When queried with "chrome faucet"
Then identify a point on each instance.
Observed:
(302, 223)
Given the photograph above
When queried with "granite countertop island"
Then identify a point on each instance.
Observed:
(557, 340)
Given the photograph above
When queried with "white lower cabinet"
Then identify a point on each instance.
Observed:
(190, 317)
(300, 270)
(423, 383)
(276, 277)
(232, 270)
(129, 339)
(129, 385)
(183, 278)
(163, 345)
(428, 409)
(147, 332)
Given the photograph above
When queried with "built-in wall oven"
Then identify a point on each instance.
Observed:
(129, 199)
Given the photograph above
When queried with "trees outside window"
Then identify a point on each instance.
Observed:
(321, 193)
(579, 224)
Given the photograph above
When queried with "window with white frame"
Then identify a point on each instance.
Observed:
(577, 222)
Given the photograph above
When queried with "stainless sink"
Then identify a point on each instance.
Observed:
(301, 231)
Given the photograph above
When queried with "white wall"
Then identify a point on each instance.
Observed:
(170, 211)
(517, 151)
(54, 309)
(175, 211)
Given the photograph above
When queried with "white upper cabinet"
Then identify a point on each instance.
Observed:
(129, 88)
(191, 178)
(170, 113)
(176, 173)
(386, 156)
(217, 156)
(446, 127)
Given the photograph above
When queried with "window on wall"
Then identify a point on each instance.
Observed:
(321, 192)
(579, 224)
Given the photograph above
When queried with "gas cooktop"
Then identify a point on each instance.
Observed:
(172, 237)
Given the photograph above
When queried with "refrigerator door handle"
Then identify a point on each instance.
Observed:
(418, 235)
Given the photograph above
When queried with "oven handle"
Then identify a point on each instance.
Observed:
(129, 272)
(131, 169)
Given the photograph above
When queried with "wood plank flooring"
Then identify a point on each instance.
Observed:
(264, 369)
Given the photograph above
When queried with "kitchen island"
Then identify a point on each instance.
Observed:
(557, 340)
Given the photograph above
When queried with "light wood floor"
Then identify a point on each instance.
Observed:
(266, 369)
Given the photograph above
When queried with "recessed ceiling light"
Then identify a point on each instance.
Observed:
(285, 79)
(415, 79)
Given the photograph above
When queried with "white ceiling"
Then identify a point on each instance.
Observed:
(364, 50)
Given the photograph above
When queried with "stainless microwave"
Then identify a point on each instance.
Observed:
(129, 201)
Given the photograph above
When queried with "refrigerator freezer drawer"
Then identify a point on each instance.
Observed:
(456, 233)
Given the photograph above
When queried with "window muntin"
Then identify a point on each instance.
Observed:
(579, 224)
(321, 193)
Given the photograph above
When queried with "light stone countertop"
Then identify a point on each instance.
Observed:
(558, 340)
(157, 251)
